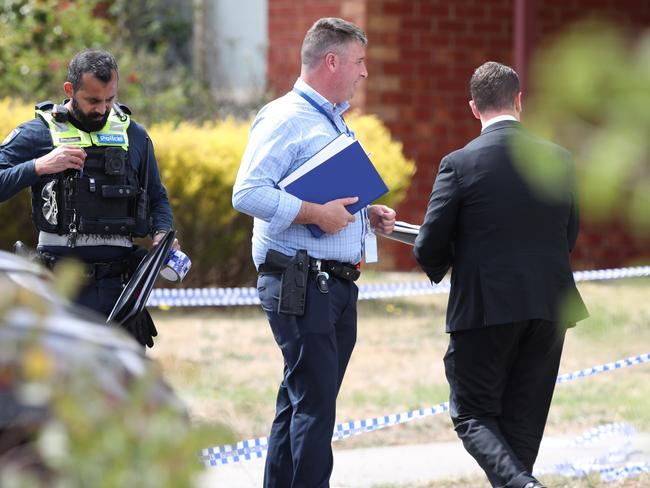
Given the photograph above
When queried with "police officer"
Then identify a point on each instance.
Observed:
(94, 179)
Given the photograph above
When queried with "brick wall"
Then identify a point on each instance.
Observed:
(288, 22)
(420, 57)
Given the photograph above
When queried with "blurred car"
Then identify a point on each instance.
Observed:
(47, 346)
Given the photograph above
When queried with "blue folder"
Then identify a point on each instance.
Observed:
(347, 173)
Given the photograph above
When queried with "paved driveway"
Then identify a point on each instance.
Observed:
(414, 464)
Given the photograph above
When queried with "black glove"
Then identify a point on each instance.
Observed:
(142, 328)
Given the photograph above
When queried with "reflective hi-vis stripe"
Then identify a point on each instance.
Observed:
(112, 134)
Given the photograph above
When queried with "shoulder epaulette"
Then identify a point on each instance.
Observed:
(124, 108)
(44, 106)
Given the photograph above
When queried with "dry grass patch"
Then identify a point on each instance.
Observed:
(225, 364)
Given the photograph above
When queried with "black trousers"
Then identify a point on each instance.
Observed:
(100, 293)
(316, 348)
(501, 380)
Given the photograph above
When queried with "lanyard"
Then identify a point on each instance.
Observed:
(365, 222)
(321, 110)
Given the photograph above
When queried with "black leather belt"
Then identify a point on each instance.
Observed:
(345, 271)
(96, 271)
(337, 269)
(114, 269)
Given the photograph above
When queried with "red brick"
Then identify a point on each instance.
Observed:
(438, 44)
(396, 7)
(418, 23)
(468, 12)
(455, 26)
(435, 11)
(403, 38)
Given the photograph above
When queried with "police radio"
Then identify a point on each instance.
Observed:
(118, 111)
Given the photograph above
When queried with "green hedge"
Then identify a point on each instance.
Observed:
(198, 165)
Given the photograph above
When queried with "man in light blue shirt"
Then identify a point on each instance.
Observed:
(317, 337)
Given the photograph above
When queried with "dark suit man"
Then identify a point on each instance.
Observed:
(512, 290)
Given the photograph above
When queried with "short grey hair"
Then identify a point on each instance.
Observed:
(329, 34)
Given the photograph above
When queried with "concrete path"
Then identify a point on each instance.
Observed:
(411, 465)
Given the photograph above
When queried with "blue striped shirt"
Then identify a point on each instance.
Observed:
(286, 133)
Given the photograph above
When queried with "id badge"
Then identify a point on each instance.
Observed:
(370, 254)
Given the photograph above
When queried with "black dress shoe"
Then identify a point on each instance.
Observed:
(534, 484)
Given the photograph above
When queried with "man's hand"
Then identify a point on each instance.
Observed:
(330, 217)
(382, 218)
(158, 236)
(60, 159)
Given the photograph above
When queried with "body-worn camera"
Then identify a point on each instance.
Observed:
(115, 161)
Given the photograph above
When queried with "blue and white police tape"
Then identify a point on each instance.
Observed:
(357, 427)
(607, 465)
(220, 297)
(256, 448)
(613, 465)
(611, 474)
(603, 432)
(242, 451)
(622, 363)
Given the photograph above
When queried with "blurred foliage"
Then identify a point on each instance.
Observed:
(149, 38)
(37, 40)
(163, 26)
(152, 40)
(590, 94)
(103, 417)
(70, 277)
(198, 165)
(94, 440)
(15, 213)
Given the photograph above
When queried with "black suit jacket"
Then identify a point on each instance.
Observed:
(507, 241)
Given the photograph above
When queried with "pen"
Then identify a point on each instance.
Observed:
(81, 170)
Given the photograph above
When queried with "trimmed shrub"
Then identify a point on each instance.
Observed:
(198, 164)
(15, 213)
(386, 155)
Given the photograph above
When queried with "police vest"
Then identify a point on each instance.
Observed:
(105, 198)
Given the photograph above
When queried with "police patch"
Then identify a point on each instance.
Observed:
(110, 138)
(12, 135)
